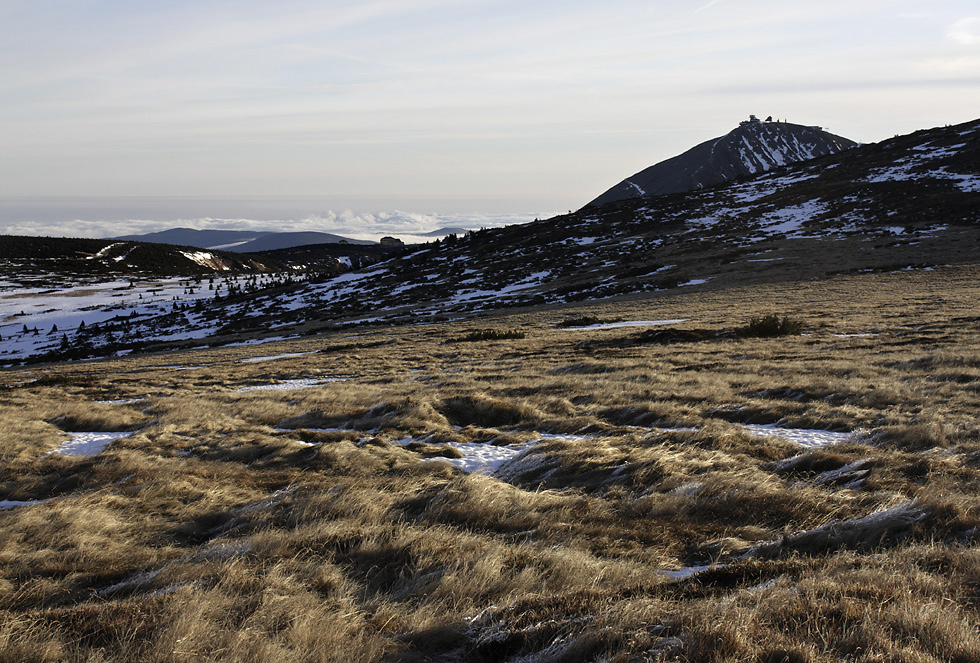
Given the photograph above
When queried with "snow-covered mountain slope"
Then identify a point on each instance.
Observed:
(752, 147)
(912, 202)
(89, 316)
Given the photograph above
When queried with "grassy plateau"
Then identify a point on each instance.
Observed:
(314, 503)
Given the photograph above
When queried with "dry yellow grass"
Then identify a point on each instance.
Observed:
(300, 525)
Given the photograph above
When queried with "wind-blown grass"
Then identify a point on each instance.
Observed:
(639, 519)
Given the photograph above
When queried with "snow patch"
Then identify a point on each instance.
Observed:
(790, 219)
(259, 341)
(87, 443)
(628, 323)
(349, 278)
(13, 504)
(290, 385)
(104, 252)
(689, 571)
(804, 437)
(481, 458)
(205, 259)
(286, 355)
(535, 279)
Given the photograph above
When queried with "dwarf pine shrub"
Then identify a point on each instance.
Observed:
(770, 326)
(489, 335)
(587, 320)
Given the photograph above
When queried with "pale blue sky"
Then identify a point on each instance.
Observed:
(431, 104)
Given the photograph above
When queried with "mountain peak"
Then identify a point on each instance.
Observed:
(754, 146)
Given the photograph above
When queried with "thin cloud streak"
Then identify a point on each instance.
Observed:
(966, 31)
(823, 87)
(707, 6)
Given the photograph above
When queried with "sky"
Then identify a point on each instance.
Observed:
(339, 114)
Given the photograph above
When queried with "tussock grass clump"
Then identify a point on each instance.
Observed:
(315, 418)
(433, 450)
(487, 412)
(583, 368)
(648, 414)
(865, 532)
(409, 414)
(99, 418)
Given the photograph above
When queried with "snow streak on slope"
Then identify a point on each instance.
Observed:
(205, 259)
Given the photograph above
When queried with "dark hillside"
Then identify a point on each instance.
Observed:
(331, 257)
(751, 148)
(24, 254)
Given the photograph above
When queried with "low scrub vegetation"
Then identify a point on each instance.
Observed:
(634, 516)
(771, 325)
(587, 320)
(489, 335)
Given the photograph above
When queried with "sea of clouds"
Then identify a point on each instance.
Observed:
(96, 223)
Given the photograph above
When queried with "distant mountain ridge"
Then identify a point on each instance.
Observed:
(755, 146)
(240, 241)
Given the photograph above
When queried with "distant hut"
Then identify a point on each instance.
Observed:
(391, 242)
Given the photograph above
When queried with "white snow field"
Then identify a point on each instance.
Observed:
(34, 320)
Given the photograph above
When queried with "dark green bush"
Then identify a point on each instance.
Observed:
(770, 326)
(587, 320)
(488, 335)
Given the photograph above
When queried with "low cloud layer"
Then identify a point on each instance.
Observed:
(356, 225)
